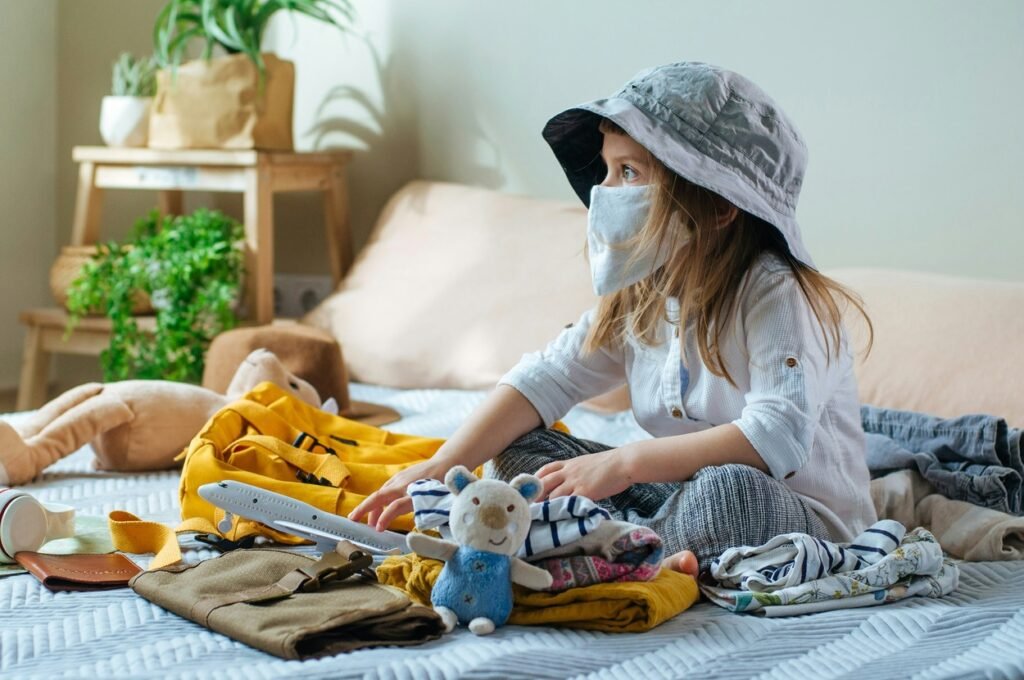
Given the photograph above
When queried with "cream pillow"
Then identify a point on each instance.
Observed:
(943, 345)
(455, 284)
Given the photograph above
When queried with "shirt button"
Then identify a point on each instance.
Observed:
(791, 362)
(790, 475)
(675, 331)
(676, 413)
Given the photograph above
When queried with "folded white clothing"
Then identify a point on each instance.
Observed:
(555, 523)
(791, 559)
(798, 574)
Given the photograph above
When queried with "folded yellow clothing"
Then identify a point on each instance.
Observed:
(626, 607)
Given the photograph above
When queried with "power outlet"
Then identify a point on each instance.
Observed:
(295, 295)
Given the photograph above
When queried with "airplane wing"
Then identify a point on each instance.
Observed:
(383, 544)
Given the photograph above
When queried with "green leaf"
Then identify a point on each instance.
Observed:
(191, 266)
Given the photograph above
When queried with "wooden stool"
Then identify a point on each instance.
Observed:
(258, 175)
(46, 328)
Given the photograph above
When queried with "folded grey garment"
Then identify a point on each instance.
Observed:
(964, 530)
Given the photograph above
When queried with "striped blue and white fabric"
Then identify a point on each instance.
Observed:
(556, 523)
(798, 574)
(791, 559)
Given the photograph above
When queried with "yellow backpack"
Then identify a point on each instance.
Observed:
(275, 441)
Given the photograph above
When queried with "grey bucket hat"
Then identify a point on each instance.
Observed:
(710, 126)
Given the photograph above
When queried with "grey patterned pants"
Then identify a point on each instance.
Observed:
(720, 508)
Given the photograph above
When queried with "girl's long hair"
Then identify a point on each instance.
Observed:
(706, 274)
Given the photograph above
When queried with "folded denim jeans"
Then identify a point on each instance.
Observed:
(974, 458)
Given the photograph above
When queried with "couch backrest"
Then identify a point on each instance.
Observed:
(945, 345)
(457, 282)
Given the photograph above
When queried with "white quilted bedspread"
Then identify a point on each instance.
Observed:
(978, 632)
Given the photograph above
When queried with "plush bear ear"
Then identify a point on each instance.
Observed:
(458, 478)
(528, 486)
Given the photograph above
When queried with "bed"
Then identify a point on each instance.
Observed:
(976, 632)
(444, 257)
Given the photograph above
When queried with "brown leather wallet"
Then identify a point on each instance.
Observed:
(79, 572)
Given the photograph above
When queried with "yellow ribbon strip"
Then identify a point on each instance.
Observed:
(133, 535)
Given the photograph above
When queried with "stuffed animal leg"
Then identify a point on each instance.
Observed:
(34, 423)
(489, 519)
(132, 424)
(88, 414)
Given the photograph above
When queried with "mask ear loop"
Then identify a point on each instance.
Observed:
(26, 524)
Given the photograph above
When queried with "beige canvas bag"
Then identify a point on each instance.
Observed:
(219, 104)
(291, 605)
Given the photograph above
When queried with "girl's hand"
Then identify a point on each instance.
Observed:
(390, 501)
(596, 476)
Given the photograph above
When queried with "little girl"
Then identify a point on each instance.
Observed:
(710, 309)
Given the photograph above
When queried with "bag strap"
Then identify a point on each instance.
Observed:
(322, 468)
(133, 535)
(344, 562)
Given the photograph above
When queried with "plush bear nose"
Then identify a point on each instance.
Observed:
(494, 517)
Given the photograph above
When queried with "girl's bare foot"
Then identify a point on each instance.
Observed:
(685, 562)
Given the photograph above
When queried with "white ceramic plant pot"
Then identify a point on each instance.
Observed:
(124, 121)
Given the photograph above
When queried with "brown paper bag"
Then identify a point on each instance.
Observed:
(218, 104)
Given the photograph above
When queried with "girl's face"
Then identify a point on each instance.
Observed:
(628, 163)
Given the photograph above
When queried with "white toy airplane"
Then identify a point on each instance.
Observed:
(290, 516)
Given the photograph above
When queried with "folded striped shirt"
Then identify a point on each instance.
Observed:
(797, 574)
(791, 559)
(556, 522)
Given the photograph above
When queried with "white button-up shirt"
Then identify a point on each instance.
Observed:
(799, 411)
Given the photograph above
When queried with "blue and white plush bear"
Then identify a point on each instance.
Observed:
(490, 520)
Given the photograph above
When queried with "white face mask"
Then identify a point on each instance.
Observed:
(616, 215)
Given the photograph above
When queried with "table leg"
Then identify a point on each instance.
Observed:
(170, 202)
(259, 244)
(35, 371)
(85, 230)
(336, 222)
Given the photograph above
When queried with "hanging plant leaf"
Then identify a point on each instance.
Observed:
(191, 267)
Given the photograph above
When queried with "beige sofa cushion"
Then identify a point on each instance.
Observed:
(944, 345)
(455, 284)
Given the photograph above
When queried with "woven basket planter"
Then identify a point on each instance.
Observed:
(68, 267)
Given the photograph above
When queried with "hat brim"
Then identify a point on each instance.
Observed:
(575, 138)
(370, 414)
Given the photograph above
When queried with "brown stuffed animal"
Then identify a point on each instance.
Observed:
(132, 424)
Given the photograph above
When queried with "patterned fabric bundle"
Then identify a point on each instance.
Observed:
(556, 522)
(798, 574)
(614, 552)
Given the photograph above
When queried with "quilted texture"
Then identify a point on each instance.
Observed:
(973, 633)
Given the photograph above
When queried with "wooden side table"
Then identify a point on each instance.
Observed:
(258, 175)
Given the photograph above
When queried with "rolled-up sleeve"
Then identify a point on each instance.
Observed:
(787, 363)
(562, 375)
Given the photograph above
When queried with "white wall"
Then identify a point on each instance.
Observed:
(912, 111)
(28, 110)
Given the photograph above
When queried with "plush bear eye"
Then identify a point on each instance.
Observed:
(476, 501)
(511, 508)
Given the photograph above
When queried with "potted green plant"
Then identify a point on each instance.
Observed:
(242, 100)
(124, 114)
(191, 268)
